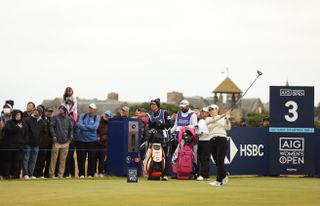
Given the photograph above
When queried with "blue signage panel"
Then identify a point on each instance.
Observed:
(292, 153)
(317, 151)
(124, 139)
(291, 108)
(291, 130)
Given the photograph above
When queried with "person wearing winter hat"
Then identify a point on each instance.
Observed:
(5, 116)
(14, 140)
(160, 120)
(6, 113)
(87, 141)
(102, 140)
(37, 130)
(62, 134)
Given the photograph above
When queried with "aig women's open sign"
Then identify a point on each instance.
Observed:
(291, 130)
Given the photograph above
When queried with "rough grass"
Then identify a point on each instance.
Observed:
(116, 191)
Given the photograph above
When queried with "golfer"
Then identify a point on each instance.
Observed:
(218, 125)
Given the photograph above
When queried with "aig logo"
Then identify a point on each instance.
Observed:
(291, 151)
(292, 144)
(292, 92)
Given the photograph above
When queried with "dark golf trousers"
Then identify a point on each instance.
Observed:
(219, 148)
(204, 157)
(83, 149)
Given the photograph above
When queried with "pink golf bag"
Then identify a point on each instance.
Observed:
(183, 158)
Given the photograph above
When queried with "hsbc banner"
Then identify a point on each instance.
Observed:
(257, 151)
(248, 152)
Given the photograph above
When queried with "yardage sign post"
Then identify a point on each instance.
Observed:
(291, 130)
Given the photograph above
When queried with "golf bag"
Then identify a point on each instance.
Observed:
(183, 158)
(155, 159)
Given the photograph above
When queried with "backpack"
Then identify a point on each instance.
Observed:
(94, 117)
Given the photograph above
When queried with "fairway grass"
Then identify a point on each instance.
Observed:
(116, 191)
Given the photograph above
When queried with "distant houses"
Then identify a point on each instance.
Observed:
(226, 95)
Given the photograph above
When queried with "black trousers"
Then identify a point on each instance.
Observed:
(12, 163)
(101, 157)
(84, 150)
(204, 157)
(70, 162)
(48, 160)
(41, 163)
(219, 149)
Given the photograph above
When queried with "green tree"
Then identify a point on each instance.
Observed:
(255, 119)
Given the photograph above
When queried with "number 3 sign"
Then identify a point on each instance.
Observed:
(291, 108)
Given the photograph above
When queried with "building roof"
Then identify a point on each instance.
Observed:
(251, 105)
(227, 86)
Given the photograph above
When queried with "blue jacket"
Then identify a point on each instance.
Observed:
(88, 125)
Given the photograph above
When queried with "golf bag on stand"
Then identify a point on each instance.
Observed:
(183, 158)
(155, 160)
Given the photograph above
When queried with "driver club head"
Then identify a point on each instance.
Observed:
(259, 73)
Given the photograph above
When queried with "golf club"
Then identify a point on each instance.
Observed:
(259, 74)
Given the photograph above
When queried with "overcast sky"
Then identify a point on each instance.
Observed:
(145, 48)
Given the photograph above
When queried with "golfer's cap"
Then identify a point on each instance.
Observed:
(93, 106)
(184, 103)
(214, 106)
(205, 109)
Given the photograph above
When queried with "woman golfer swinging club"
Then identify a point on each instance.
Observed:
(218, 125)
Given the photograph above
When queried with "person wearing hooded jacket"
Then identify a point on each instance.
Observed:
(13, 142)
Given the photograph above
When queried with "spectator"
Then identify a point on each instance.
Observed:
(43, 147)
(124, 112)
(14, 139)
(62, 133)
(70, 161)
(204, 145)
(87, 141)
(48, 119)
(37, 131)
(102, 140)
(5, 116)
(29, 110)
(68, 96)
(6, 113)
(243, 122)
(265, 122)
